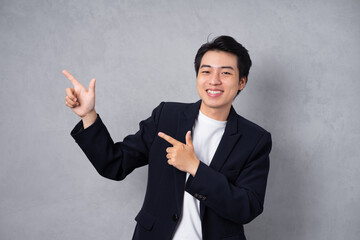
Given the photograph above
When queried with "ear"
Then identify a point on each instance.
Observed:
(242, 83)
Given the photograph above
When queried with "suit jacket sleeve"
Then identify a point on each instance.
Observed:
(242, 200)
(116, 160)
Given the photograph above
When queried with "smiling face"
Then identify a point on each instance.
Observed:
(218, 83)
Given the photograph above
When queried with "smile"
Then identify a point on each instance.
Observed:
(214, 93)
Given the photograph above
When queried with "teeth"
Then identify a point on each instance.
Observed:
(213, 92)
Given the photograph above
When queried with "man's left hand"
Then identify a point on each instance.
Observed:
(182, 156)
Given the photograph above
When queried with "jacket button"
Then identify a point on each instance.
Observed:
(175, 217)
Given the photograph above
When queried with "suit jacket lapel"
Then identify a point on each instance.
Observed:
(227, 142)
(185, 123)
(229, 139)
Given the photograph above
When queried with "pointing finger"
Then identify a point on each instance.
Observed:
(168, 138)
(71, 78)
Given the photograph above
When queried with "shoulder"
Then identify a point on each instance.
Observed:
(165, 107)
(253, 134)
(250, 130)
(176, 107)
(250, 126)
(173, 108)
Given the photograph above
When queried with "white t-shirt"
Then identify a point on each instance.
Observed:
(206, 136)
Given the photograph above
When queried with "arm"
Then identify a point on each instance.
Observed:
(242, 200)
(111, 160)
(116, 160)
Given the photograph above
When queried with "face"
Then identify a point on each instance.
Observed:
(218, 82)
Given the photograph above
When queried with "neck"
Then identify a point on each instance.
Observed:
(215, 113)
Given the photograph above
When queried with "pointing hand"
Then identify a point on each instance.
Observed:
(79, 99)
(182, 156)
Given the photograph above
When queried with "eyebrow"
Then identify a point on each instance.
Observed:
(209, 66)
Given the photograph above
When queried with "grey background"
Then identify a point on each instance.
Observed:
(303, 88)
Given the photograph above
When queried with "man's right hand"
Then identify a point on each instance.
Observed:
(80, 100)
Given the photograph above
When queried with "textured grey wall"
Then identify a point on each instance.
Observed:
(303, 88)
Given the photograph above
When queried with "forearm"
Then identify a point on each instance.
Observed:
(96, 143)
(237, 203)
(116, 160)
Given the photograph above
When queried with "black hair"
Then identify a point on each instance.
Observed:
(226, 44)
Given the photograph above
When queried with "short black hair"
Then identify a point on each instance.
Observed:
(226, 44)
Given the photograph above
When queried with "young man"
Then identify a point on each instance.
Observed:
(207, 166)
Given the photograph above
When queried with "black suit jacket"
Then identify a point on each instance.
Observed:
(231, 190)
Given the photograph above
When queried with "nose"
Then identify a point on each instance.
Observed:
(215, 78)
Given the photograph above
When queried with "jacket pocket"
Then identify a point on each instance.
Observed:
(145, 220)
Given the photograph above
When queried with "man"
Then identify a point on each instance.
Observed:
(207, 166)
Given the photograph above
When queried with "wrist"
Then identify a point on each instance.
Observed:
(89, 118)
(195, 167)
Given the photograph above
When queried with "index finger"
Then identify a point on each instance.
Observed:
(71, 78)
(167, 138)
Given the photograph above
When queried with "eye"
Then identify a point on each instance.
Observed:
(205, 72)
(226, 73)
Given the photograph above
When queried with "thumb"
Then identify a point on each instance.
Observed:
(188, 139)
(92, 85)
